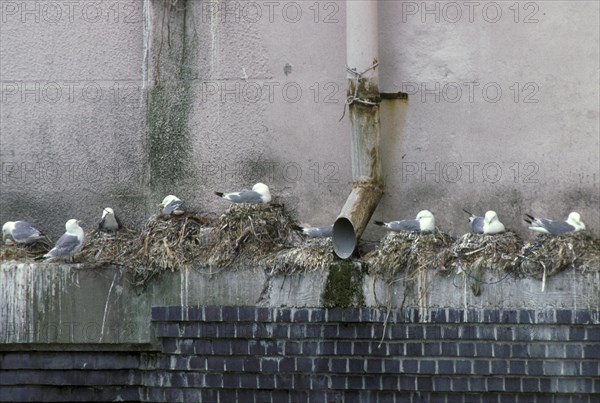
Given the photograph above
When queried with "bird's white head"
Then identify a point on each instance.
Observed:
(168, 199)
(490, 217)
(7, 229)
(106, 211)
(72, 226)
(575, 220)
(263, 190)
(426, 220)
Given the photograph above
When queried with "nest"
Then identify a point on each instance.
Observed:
(109, 248)
(168, 243)
(19, 251)
(478, 252)
(314, 255)
(249, 233)
(549, 255)
(475, 254)
(409, 253)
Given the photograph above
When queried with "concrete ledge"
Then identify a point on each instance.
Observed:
(59, 303)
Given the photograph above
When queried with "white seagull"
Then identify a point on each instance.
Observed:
(172, 205)
(21, 232)
(69, 243)
(259, 194)
(489, 224)
(545, 226)
(423, 223)
(315, 232)
(109, 221)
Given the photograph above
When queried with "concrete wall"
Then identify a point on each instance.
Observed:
(121, 102)
(68, 304)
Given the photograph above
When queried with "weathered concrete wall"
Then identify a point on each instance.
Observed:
(51, 303)
(120, 102)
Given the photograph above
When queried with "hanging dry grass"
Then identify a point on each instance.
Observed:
(476, 254)
(313, 255)
(405, 252)
(549, 255)
(248, 233)
(482, 252)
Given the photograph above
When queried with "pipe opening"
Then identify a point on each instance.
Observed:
(344, 238)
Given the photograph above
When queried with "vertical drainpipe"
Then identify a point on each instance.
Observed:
(362, 46)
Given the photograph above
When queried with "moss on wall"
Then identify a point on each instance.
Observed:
(344, 286)
(170, 101)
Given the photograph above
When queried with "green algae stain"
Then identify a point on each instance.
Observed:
(170, 102)
(344, 286)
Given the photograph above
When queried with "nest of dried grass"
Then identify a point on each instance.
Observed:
(248, 233)
(19, 251)
(168, 243)
(478, 252)
(107, 248)
(549, 255)
(409, 253)
(314, 255)
(475, 254)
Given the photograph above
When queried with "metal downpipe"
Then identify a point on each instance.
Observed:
(363, 102)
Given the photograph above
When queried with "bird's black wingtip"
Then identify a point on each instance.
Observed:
(469, 213)
(380, 223)
(297, 227)
(220, 194)
(530, 217)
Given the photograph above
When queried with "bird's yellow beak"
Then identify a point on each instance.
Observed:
(3, 236)
(161, 205)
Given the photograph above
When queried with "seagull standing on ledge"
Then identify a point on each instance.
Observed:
(109, 221)
(69, 243)
(545, 226)
(171, 205)
(489, 224)
(424, 222)
(259, 194)
(21, 232)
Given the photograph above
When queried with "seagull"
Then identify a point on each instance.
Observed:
(259, 194)
(69, 243)
(109, 221)
(423, 223)
(489, 224)
(172, 205)
(572, 224)
(21, 232)
(315, 232)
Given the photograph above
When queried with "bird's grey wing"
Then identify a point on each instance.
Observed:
(245, 196)
(172, 206)
(556, 227)
(65, 246)
(477, 225)
(404, 225)
(24, 231)
(119, 223)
